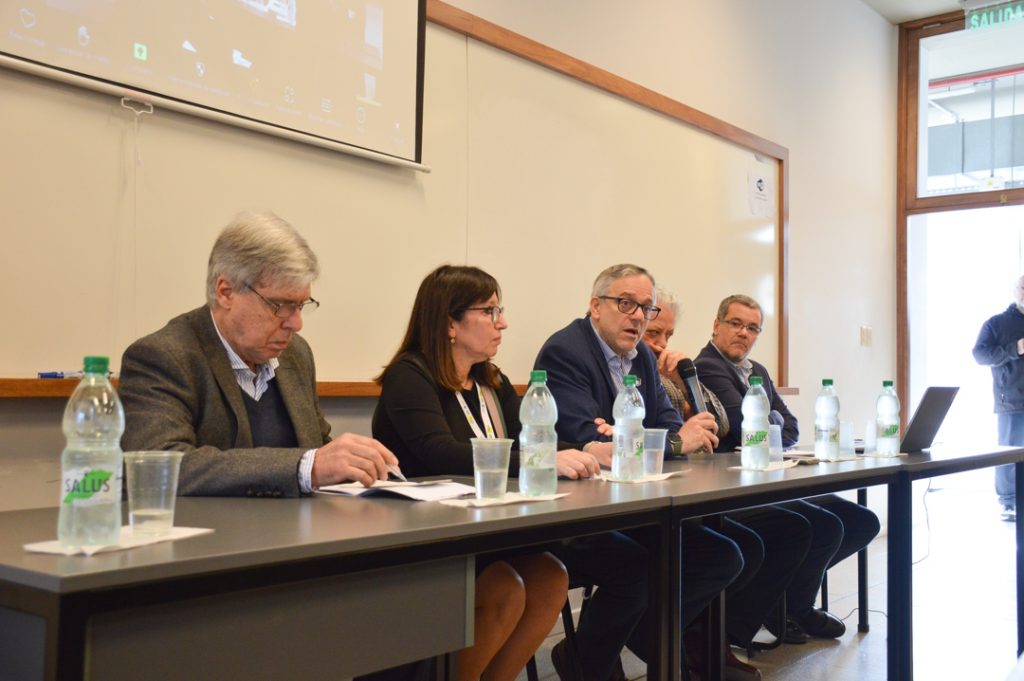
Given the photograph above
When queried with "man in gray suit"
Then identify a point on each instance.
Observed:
(233, 385)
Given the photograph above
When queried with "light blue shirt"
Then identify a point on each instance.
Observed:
(618, 365)
(254, 384)
(744, 367)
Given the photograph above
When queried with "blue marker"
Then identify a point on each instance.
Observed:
(69, 374)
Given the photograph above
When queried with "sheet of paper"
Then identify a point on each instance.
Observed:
(647, 478)
(773, 466)
(427, 490)
(509, 498)
(129, 540)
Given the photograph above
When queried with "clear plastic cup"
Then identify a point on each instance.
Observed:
(490, 466)
(654, 450)
(845, 438)
(152, 489)
(774, 442)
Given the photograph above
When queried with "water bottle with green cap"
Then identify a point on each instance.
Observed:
(90, 492)
(538, 441)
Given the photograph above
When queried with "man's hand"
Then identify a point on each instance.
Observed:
(603, 427)
(699, 431)
(602, 451)
(668, 366)
(1020, 346)
(574, 464)
(352, 457)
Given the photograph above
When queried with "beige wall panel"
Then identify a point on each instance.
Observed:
(566, 180)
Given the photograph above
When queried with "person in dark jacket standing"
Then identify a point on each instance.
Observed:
(1001, 346)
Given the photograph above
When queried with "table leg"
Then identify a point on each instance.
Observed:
(900, 640)
(1019, 480)
(672, 657)
(862, 574)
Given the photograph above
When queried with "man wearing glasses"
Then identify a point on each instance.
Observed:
(839, 528)
(233, 385)
(586, 362)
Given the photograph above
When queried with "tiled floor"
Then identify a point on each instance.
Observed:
(964, 617)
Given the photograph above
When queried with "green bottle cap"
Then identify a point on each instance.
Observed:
(538, 376)
(96, 365)
(755, 380)
(826, 381)
(886, 384)
(628, 380)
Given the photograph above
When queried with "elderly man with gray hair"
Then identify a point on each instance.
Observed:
(233, 385)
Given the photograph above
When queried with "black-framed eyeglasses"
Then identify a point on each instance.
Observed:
(736, 325)
(283, 309)
(627, 306)
(495, 311)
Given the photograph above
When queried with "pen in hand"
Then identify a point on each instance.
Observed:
(395, 471)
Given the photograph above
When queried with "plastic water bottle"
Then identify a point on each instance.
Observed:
(537, 440)
(887, 421)
(628, 448)
(754, 430)
(90, 495)
(826, 422)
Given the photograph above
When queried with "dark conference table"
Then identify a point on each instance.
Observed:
(320, 587)
(343, 580)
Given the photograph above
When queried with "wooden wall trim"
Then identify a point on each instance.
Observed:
(455, 19)
(62, 388)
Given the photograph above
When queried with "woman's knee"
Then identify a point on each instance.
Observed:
(544, 577)
(500, 590)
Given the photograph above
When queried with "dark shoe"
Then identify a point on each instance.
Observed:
(618, 674)
(564, 666)
(821, 624)
(1009, 514)
(738, 670)
(561, 662)
(794, 634)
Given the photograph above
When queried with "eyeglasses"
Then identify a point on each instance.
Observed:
(495, 311)
(627, 306)
(284, 309)
(736, 325)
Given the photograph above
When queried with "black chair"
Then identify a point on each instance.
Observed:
(570, 636)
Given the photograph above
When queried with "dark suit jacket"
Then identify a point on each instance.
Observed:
(579, 379)
(179, 392)
(718, 374)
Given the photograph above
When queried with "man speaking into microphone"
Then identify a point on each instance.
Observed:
(679, 377)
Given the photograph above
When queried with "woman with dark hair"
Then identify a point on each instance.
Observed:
(438, 391)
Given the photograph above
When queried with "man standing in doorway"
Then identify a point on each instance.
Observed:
(1001, 346)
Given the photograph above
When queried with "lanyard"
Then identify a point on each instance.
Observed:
(483, 413)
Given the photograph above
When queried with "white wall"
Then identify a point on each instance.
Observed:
(816, 77)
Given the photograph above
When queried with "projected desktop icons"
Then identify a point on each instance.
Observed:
(238, 59)
(28, 19)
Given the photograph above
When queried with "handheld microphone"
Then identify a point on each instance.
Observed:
(688, 373)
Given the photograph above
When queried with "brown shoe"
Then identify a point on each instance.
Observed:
(738, 670)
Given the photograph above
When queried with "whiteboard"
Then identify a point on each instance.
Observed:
(537, 178)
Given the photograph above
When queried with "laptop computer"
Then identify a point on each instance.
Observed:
(927, 419)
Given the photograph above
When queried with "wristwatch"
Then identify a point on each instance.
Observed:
(677, 444)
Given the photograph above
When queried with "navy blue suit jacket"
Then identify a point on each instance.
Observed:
(579, 378)
(718, 375)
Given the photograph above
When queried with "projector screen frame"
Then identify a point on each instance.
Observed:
(157, 100)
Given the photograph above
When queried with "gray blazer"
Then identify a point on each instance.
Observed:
(179, 392)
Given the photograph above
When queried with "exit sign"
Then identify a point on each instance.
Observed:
(995, 15)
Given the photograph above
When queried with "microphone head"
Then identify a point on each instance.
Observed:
(686, 369)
